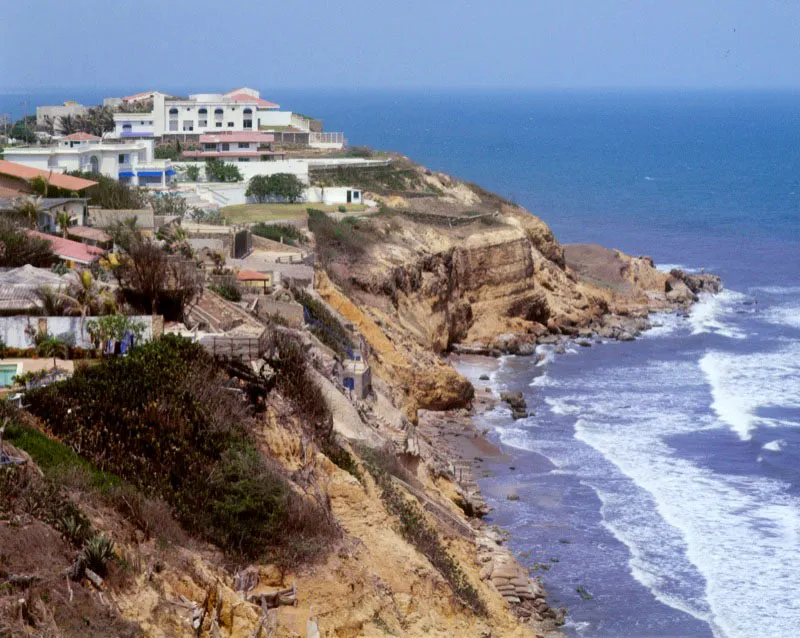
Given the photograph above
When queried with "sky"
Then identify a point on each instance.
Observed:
(537, 44)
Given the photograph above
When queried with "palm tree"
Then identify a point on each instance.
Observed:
(52, 301)
(63, 220)
(48, 345)
(48, 125)
(83, 296)
(28, 209)
(67, 124)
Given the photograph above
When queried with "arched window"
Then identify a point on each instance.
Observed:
(173, 112)
(127, 128)
(203, 111)
(247, 118)
(94, 164)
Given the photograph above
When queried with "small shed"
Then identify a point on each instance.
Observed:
(255, 281)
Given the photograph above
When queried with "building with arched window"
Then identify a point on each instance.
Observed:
(129, 161)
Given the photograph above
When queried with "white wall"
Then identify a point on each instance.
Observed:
(274, 118)
(12, 329)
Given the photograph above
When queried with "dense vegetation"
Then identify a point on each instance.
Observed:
(325, 325)
(277, 232)
(18, 249)
(394, 178)
(281, 186)
(349, 237)
(219, 171)
(110, 193)
(162, 420)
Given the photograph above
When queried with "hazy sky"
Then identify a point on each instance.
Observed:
(146, 44)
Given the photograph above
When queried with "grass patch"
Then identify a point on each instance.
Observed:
(53, 457)
(251, 213)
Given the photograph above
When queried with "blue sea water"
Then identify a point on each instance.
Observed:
(661, 476)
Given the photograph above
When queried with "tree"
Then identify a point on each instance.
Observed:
(258, 187)
(67, 124)
(219, 171)
(24, 129)
(17, 248)
(114, 327)
(49, 345)
(27, 210)
(110, 193)
(52, 301)
(168, 204)
(84, 297)
(287, 186)
(64, 221)
(152, 280)
(48, 125)
(279, 185)
(193, 172)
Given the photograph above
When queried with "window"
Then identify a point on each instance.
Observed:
(226, 147)
(244, 159)
(127, 128)
(121, 158)
(244, 144)
(173, 112)
(219, 124)
(210, 147)
(230, 124)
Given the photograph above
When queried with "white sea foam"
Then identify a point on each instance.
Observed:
(724, 548)
(775, 446)
(709, 315)
(561, 407)
(669, 267)
(743, 383)
(777, 290)
(783, 316)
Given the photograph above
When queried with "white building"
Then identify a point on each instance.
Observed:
(131, 161)
(240, 110)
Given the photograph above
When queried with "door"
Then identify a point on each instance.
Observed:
(349, 197)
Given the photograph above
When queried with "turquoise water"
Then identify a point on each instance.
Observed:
(7, 372)
(662, 474)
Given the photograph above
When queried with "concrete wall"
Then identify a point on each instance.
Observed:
(12, 329)
(58, 111)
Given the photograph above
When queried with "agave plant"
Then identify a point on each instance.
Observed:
(28, 209)
(98, 552)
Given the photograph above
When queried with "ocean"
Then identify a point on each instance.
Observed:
(659, 480)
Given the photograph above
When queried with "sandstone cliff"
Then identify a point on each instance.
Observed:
(467, 270)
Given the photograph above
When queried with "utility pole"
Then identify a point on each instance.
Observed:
(4, 122)
(25, 120)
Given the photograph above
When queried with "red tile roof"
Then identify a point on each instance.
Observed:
(68, 249)
(87, 232)
(236, 136)
(139, 96)
(244, 97)
(27, 173)
(252, 275)
(81, 136)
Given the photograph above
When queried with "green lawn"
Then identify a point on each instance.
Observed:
(247, 213)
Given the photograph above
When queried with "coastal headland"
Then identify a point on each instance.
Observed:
(379, 526)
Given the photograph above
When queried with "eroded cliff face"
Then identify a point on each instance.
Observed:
(498, 284)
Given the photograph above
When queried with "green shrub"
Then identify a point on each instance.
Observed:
(227, 291)
(98, 553)
(276, 232)
(342, 209)
(162, 419)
